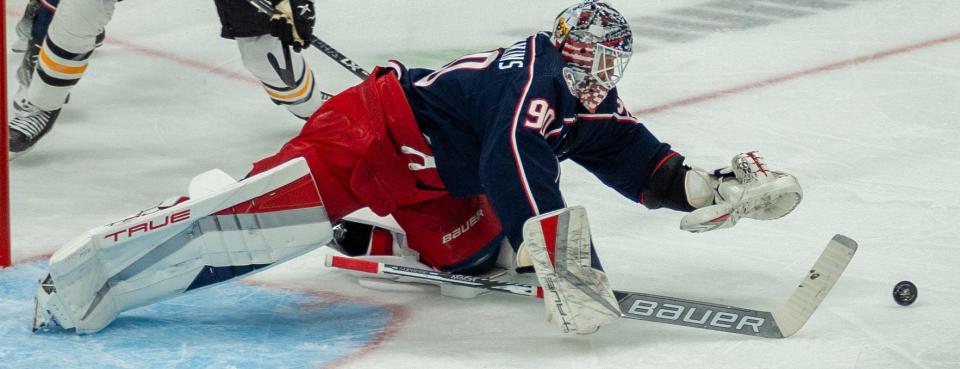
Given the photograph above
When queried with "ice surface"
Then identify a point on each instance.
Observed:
(859, 99)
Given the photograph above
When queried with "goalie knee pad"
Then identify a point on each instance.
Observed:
(355, 238)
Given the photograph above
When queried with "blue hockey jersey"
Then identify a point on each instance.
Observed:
(499, 123)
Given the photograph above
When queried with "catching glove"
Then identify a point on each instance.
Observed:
(746, 189)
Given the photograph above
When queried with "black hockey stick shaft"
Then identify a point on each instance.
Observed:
(324, 47)
(266, 7)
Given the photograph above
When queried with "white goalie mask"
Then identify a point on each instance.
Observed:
(596, 42)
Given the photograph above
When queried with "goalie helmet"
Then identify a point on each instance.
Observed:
(596, 42)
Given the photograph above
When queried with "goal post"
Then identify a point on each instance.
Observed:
(5, 257)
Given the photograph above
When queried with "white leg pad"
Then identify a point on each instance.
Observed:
(577, 297)
(165, 251)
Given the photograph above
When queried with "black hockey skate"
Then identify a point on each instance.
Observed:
(28, 126)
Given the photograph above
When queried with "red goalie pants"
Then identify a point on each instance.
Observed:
(364, 149)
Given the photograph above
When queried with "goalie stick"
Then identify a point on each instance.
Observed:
(781, 322)
(264, 6)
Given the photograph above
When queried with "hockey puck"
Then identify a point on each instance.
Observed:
(905, 293)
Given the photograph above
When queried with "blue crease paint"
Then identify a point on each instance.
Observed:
(234, 325)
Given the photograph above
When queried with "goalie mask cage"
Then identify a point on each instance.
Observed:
(5, 257)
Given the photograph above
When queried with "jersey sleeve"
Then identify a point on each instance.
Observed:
(616, 148)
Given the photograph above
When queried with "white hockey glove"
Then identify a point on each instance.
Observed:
(746, 189)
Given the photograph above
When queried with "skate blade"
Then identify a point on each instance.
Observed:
(18, 46)
(13, 155)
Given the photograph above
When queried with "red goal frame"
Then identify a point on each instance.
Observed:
(5, 257)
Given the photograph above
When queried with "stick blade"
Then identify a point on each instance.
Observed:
(815, 285)
(697, 314)
(780, 323)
